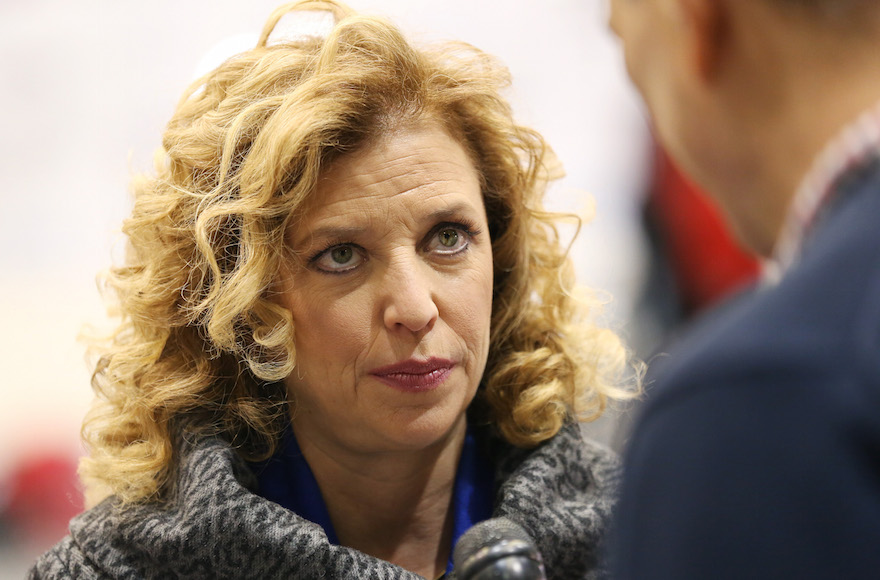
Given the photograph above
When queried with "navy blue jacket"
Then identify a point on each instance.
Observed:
(758, 452)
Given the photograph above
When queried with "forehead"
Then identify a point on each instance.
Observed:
(418, 165)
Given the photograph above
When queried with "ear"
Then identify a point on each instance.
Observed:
(706, 26)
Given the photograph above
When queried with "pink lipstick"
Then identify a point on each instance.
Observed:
(415, 375)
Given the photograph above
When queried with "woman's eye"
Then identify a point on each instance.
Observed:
(449, 240)
(339, 258)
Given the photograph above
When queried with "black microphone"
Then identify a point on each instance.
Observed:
(497, 549)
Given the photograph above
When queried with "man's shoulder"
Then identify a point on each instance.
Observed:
(823, 317)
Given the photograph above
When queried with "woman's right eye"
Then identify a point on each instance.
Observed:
(339, 258)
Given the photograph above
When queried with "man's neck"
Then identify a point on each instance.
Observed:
(819, 110)
(789, 92)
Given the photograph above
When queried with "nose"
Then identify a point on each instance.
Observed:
(409, 291)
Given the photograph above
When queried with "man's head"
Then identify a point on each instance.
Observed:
(744, 93)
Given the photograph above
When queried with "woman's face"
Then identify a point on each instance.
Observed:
(392, 296)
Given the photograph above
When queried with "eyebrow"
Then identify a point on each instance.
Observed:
(348, 232)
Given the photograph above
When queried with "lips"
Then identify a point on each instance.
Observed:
(415, 375)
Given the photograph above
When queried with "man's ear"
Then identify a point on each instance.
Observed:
(706, 25)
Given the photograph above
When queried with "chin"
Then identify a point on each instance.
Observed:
(415, 431)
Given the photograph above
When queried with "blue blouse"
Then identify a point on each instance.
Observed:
(286, 479)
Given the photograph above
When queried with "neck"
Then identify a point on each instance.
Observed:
(391, 505)
(791, 88)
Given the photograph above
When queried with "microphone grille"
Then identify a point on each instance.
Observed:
(484, 534)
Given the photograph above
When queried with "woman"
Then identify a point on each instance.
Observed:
(348, 333)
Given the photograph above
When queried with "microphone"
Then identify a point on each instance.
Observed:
(497, 549)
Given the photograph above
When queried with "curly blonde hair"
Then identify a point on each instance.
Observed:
(200, 339)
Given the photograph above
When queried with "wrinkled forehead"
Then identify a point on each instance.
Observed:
(404, 152)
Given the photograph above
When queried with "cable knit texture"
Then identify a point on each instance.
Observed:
(561, 493)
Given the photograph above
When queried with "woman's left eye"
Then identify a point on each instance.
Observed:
(339, 258)
(448, 240)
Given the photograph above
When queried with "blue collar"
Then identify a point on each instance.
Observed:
(286, 479)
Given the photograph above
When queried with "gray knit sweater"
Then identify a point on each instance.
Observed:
(561, 493)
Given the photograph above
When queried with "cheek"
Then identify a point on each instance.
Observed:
(472, 307)
(328, 329)
(616, 17)
(629, 20)
(621, 23)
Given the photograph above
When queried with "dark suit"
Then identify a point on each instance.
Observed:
(758, 452)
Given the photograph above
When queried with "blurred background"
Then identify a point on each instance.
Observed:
(87, 88)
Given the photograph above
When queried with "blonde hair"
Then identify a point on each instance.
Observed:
(200, 340)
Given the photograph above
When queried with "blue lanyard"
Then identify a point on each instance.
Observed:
(287, 480)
